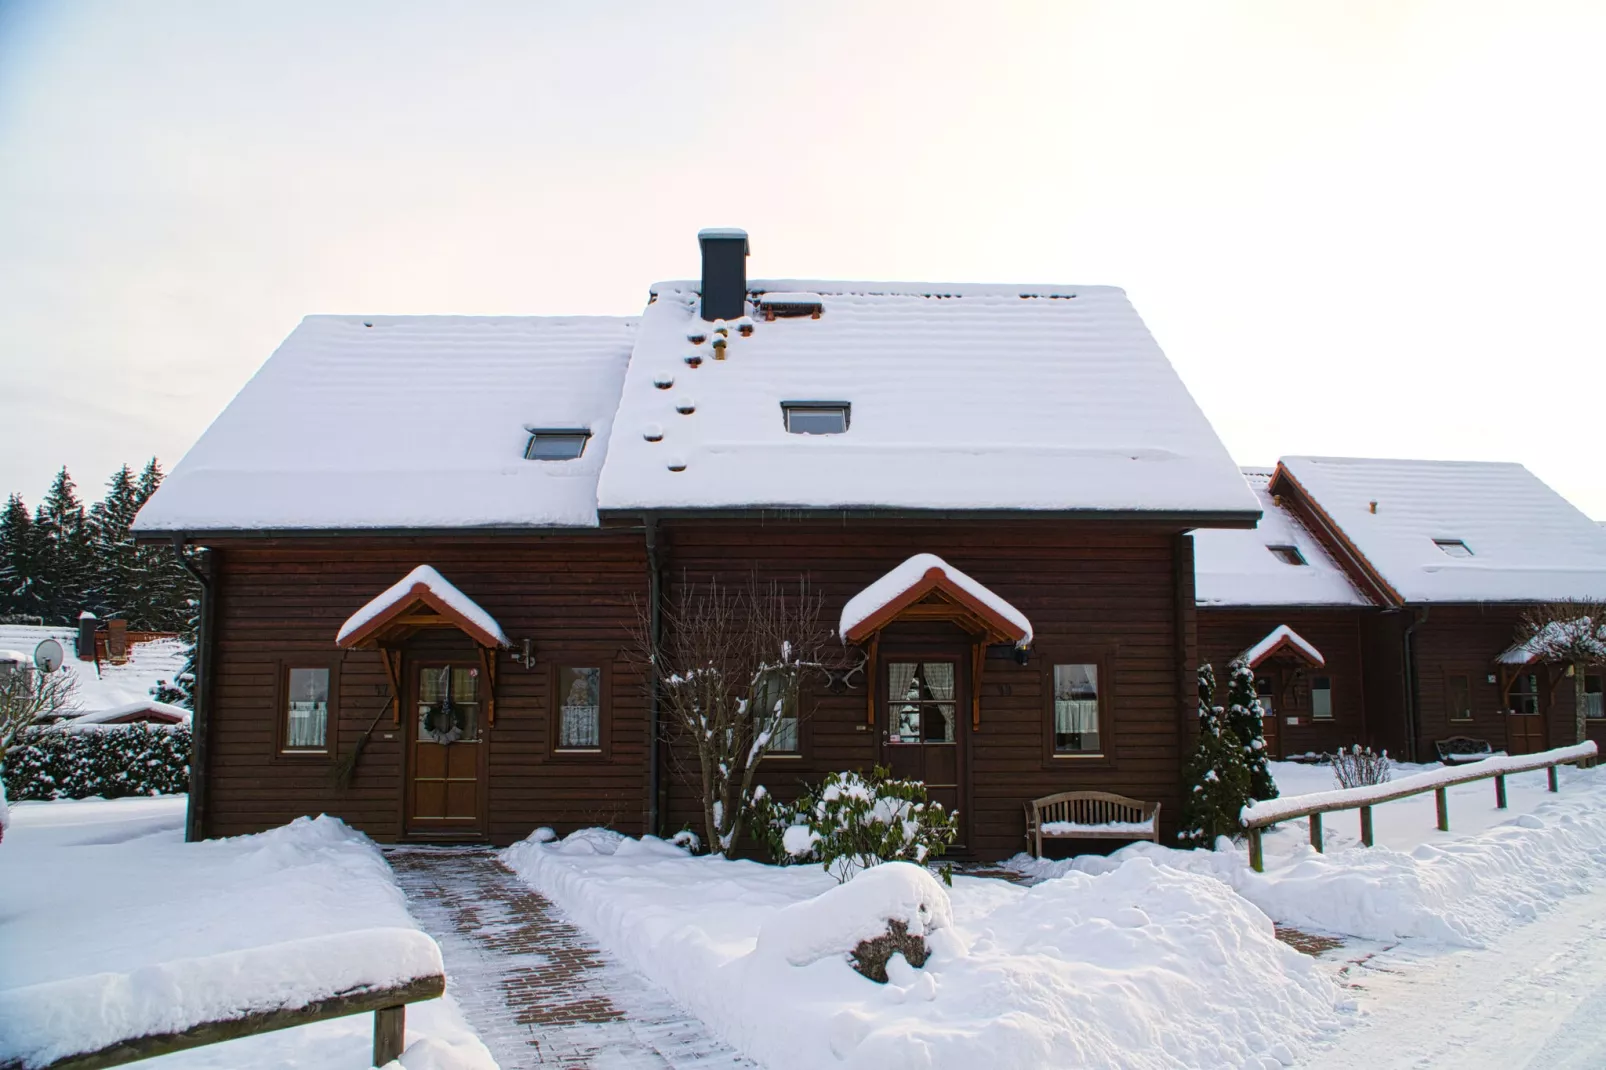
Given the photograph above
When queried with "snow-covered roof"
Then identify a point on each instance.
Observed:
(111, 686)
(112, 714)
(963, 397)
(1235, 567)
(406, 422)
(912, 580)
(423, 584)
(1279, 638)
(1526, 542)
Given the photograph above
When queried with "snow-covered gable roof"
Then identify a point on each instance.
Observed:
(406, 422)
(1235, 567)
(1527, 542)
(423, 584)
(1279, 639)
(913, 579)
(963, 397)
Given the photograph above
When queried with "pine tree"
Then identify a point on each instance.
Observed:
(62, 570)
(18, 561)
(114, 587)
(1215, 780)
(1244, 718)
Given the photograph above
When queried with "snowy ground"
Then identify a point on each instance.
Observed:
(91, 886)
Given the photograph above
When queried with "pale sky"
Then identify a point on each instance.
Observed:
(1371, 229)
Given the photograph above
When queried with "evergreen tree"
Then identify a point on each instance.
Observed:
(114, 587)
(18, 561)
(1244, 718)
(1215, 780)
(62, 571)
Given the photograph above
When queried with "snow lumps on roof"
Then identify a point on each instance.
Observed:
(1280, 638)
(960, 397)
(911, 581)
(423, 584)
(1458, 531)
(406, 422)
(1236, 567)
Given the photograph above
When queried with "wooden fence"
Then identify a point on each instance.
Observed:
(1261, 816)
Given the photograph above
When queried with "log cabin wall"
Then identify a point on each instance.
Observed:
(1093, 591)
(280, 602)
(1383, 659)
(1336, 632)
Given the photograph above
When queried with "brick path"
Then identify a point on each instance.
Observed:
(539, 992)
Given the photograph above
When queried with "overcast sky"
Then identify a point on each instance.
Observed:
(1356, 228)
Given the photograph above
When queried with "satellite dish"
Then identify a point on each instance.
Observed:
(48, 656)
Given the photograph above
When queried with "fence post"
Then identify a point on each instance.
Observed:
(1257, 860)
(1500, 792)
(1366, 825)
(1316, 832)
(1553, 785)
(1442, 802)
(390, 1034)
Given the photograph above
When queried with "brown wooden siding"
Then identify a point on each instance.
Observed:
(282, 601)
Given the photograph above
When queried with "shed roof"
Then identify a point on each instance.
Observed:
(1527, 543)
(1236, 567)
(405, 422)
(963, 397)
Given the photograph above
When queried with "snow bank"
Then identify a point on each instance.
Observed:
(838, 921)
(423, 579)
(1145, 966)
(42, 1023)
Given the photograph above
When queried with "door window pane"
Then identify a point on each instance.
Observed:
(1321, 697)
(1264, 689)
(448, 703)
(920, 698)
(1525, 695)
(307, 710)
(1076, 709)
(1593, 706)
(580, 709)
(1460, 698)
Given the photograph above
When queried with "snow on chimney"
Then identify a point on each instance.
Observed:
(724, 273)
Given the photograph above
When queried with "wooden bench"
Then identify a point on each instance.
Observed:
(1090, 815)
(1462, 750)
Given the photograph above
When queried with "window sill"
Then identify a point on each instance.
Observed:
(578, 754)
(785, 757)
(303, 754)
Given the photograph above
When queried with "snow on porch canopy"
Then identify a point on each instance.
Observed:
(921, 576)
(1282, 639)
(426, 589)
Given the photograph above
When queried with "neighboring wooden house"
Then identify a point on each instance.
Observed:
(1448, 555)
(561, 476)
(1276, 598)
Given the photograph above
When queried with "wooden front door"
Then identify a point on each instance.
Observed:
(1268, 689)
(925, 714)
(1525, 723)
(446, 779)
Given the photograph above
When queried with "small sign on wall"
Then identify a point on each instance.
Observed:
(1291, 720)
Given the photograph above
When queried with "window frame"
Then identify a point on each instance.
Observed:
(1331, 714)
(281, 711)
(1450, 714)
(554, 705)
(802, 737)
(1104, 662)
(535, 433)
(789, 407)
(1600, 689)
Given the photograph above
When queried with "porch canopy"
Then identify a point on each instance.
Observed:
(927, 588)
(422, 599)
(1283, 641)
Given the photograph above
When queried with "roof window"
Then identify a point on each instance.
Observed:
(555, 444)
(1288, 555)
(816, 417)
(790, 305)
(1453, 547)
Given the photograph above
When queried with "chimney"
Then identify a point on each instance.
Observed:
(724, 273)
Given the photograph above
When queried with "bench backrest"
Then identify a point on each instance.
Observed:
(1091, 808)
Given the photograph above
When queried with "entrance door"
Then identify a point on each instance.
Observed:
(1266, 688)
(446, 789)
(922, 726)
(1525, 724)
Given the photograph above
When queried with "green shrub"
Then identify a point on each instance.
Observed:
(852, 822)
(112, 761)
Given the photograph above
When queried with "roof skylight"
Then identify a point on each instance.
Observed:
(816, 417)
(1288, 555)
(555, 444)
(1453, 547)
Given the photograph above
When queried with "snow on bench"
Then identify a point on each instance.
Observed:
(1111, 828)
(184, 1003)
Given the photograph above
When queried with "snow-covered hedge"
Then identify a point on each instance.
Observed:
(54, 762)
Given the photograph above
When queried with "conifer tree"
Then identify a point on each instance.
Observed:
(1244, 718)
(62, 540)
(1215, 780)
(18, 565)
(114, 588)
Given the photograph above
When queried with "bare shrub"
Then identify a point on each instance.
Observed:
(871, 956)
(1361, 767)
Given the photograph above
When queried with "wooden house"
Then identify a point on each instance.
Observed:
(431, 540)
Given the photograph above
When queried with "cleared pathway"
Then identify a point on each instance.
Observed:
(538, 991)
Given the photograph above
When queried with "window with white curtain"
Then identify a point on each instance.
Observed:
(306, 725)
(1076, 709)
(580, 708)
(920, 700)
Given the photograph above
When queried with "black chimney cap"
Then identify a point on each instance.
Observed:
(724, 272)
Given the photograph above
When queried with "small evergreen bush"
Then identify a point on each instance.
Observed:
(1244, 718)
(62, 762)
(1216, 779)
(853, 821)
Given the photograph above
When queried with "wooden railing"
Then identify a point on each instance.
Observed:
(1261, 816)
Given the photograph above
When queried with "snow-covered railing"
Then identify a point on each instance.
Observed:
(1258, 816)
(108, 1019)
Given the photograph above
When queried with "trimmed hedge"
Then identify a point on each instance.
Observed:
(54, 762)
